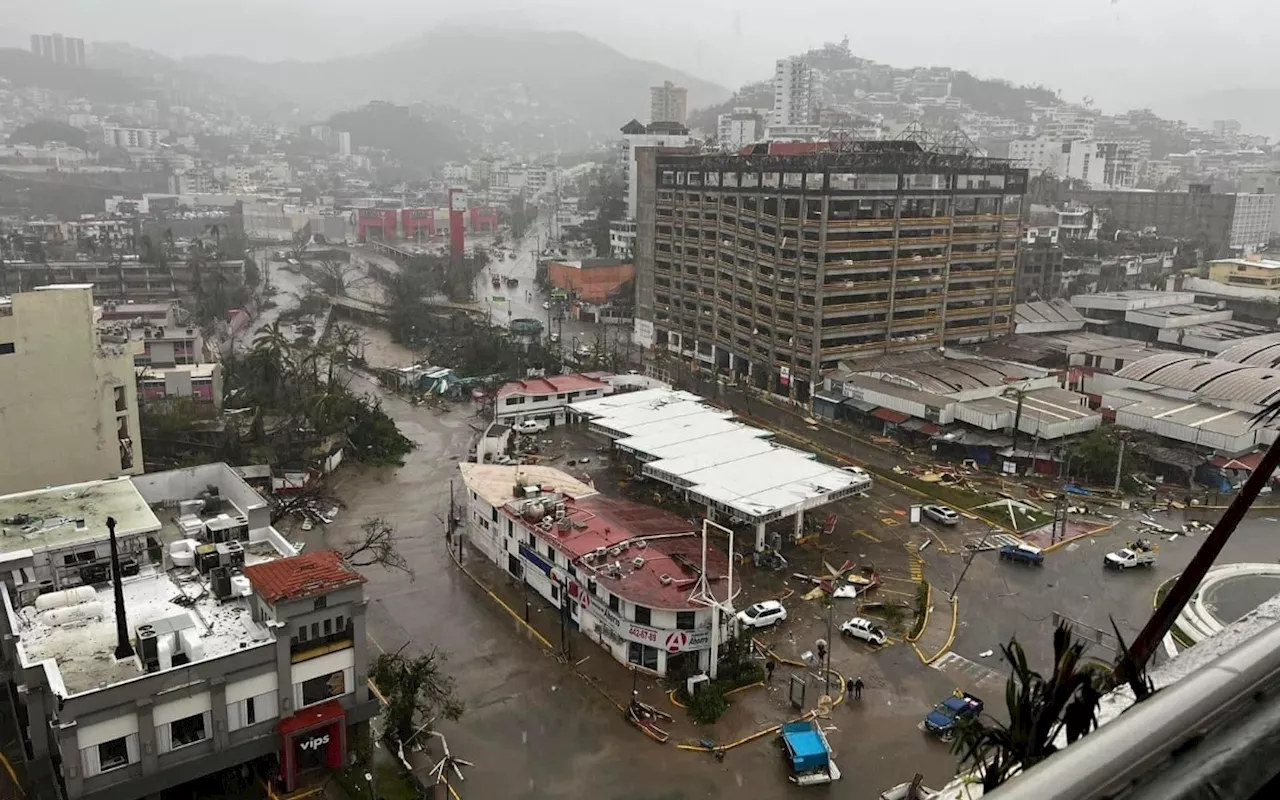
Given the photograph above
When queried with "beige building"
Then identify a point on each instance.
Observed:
(668, 103)
(68, 403)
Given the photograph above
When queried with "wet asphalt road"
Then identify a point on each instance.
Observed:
(537, 732)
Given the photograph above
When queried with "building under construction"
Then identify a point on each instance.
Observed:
(776, 264)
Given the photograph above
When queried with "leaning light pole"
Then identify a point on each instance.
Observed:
(702, 594)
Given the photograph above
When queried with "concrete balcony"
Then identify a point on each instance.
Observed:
(845, 308)
(861, 223)
(922, 222)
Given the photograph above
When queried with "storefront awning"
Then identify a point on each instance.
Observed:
(920, 426)
(312, 717)
(860, 405)
(889, 415)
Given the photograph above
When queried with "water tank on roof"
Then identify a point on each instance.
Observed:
(66, 597)
(68, 615)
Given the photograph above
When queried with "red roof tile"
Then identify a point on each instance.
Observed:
(301, 576)
(555, 384)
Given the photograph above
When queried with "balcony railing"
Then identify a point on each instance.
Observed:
(314, 648)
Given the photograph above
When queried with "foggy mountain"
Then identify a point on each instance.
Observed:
(529, 76)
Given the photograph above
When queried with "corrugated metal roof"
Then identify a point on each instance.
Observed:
(1212, 378)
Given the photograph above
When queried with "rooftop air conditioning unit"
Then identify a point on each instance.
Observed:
(641, 544)
(615, 551)
(637, 562)
(666, 579)
(600, 552)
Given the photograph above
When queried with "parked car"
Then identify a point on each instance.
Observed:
(528, 426)
(546, 305)
(943, 515)
(1023, 553)
(762, 615)
(861, 628)
(946, 716)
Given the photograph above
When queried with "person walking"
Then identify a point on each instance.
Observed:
(848, 687)
(857, 689)
(768, 670)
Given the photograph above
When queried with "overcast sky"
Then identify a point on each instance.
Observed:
(1122, 53)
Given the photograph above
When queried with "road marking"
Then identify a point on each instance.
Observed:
(890, 521)
(866, 535)
(973, 674)
(917, 563)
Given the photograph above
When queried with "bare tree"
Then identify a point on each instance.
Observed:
(418, 693)
(301, 238)
(376, 545)
(335, 277)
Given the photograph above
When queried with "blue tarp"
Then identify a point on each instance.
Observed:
(807, 750)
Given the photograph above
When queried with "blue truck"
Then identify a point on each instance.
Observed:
(808, 754)
(948, 715)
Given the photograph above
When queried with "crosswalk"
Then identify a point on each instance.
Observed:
(992, 541)
(970, 675)
(917, 563)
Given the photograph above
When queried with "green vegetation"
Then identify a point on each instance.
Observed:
(737, 669)
(922, 606)
(419, 144)
(45, 131)
(1038, 709)
(417, 693)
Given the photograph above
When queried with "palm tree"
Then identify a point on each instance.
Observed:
(1039, 710)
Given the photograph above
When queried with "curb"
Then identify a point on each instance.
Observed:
(928, 607)
(951, 637)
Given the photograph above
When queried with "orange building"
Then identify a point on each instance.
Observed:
(591, 280)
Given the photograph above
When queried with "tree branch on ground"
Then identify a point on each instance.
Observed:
(376, 546)
(418, 692)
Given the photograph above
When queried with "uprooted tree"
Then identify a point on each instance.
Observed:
(376, 546)
(418, 693)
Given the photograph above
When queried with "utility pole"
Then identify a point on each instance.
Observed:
(1119, 467)
(123, 647)
(967, 562)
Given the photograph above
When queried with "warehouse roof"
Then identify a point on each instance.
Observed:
(1260, 351)
(1202, 416)
(1211, 378)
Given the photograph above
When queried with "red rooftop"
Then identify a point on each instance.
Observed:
(555, 384)
(302, 576)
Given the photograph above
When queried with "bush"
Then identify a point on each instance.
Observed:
(922, 604)
(707, 705)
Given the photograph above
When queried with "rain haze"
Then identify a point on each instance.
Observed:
(1167, 55)
(649, 400)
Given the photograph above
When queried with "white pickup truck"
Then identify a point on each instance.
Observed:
(531, 426)
(1130, 557)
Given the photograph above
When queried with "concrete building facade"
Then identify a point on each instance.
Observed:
(739, 127)
(797, 87)
(636, 137)
(273, 676)
(1251, 222)
(1196, 213)
(668, 103)
(776, 267)
(64, 395)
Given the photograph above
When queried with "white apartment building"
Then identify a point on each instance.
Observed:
(622, 238)
(739, 127)
(70, 401)
(668, 103)
(1125, 159)
(797, 87)
(546, 398)
(134, 138)
(1075, 159)
(634, 136)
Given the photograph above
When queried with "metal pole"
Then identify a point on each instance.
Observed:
(1119, 467)
(831, 604)
(967, 562)
(124, 649)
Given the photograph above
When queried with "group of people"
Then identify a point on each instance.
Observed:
(852, 687)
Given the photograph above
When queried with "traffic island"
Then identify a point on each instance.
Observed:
(939, 630)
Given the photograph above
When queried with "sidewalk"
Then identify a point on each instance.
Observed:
(939, 627)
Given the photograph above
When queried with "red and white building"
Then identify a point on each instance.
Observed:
(548, 398)
(623, 573)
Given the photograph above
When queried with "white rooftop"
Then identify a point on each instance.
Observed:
(690, 444)
(45, 518)
(83, 651)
